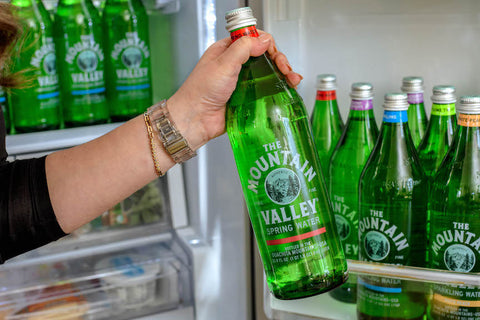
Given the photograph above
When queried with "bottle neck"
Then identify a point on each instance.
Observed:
(247, 31)
(323, 95)
(395, 131)
(443, 110)
(361, 106)
(415, 98)
(22, 3)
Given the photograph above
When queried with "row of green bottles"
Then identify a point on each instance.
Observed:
(347, 162)
(281, 176)
(454, 211)
(103, 66)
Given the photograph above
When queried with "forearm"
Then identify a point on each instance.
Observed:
(87, 180)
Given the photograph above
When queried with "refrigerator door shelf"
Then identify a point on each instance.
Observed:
(323, 306)
(121, 284)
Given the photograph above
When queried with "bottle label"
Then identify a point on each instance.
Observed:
(326, 95)
(415, 98)
(455, 246)
(443, 109)
(395, 116)
(361, 105)
(346, 218)
(250, 31)
(85, 66)
(283, 189)
(468, 120)
(385, 236)
(131, 61)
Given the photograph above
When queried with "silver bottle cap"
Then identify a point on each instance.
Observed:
(412, 84)
(238, 18)
(469, 105)
(326, 82)
(362, 91)
(396, 102)
(443, 94)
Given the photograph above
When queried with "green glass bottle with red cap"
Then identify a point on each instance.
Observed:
(327, 123)
(80, 60)
(417, 117)
(346, 165)
(392, 222)
(440, 129)
(454, 211)
(127, 58)
(280, 173)
(36, 106)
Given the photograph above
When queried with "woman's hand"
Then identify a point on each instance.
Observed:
(198, 107)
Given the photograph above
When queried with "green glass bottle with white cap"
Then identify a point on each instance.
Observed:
(280, 173)
(440, 129)
(454, 211)
(346, 164)
(417, 117)
(393, 193)
(327, 123)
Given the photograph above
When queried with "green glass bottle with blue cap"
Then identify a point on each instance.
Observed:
(440, 129)
(36, 106)
(280, 173)
(454, 211)
(346, 164)
(417, 117)
(393, 200)
(80, 60)
(127, 58)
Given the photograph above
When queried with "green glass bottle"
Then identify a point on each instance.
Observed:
(326, 121)
(5, 111)
(346, 165)
(127, 58)
(454, 211)
(440, 129)
(279, 170)
(417, 117)
(393, 193)
(37, 106)
(80, 60)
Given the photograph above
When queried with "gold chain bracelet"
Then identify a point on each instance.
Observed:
(151, 137)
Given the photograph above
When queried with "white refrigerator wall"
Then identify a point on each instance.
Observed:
(378, 41)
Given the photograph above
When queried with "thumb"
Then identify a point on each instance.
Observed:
(241, 50)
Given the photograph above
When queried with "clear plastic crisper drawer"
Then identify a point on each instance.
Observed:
(120, 284)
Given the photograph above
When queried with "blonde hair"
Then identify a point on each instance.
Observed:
(10, 30)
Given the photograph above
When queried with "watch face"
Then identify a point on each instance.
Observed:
(172, 139)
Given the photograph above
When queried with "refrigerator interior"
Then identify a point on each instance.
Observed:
(380, 42)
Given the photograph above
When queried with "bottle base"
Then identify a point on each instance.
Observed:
(304, 289)
(345, 293)
(362, 316)
(36, 128)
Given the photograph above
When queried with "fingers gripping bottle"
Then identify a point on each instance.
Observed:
(327, 123)
(80, 60)
(440, 129)
(393, 193)
(291, 216)
(454, 210)
(417, 117)
(35, 107)
(346, 165)
(127, 58)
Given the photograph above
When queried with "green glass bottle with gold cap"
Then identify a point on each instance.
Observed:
(393, 201)
(440, 129)
(417, 117)
(454, 211)
(282, 182)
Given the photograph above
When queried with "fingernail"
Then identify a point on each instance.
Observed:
(289, 67)
(301, 77)
(264, 37)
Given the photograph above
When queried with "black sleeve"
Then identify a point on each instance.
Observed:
(27, 220)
